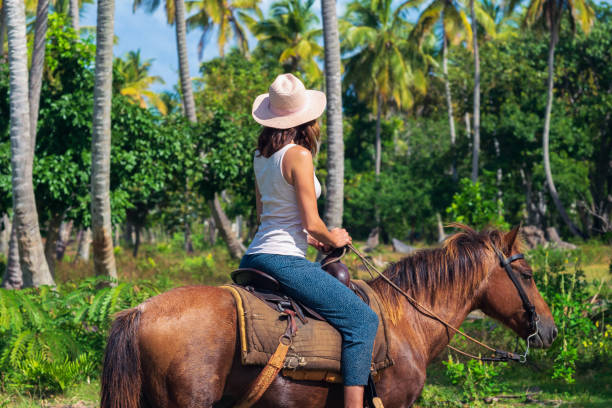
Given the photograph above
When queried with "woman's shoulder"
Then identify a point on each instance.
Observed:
(298, 152)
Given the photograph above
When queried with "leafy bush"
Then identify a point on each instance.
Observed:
(50, 339)
(476, 378)
(582, 333)
(477, 206)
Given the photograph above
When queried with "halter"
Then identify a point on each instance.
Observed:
(499, 355)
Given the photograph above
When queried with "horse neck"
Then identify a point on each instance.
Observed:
(425, 336)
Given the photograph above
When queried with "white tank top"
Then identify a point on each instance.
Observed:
(281, 231)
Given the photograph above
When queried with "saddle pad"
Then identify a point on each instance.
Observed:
(315, 347)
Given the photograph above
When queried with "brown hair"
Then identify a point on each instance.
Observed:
(272, 139)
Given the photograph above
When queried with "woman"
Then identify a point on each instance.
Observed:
(287, 191)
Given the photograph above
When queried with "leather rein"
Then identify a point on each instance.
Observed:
(498, 355)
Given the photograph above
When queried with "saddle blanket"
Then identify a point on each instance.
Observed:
(315, 351)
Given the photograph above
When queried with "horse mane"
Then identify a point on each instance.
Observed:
(456, 269)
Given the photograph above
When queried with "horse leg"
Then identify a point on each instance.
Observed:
(187, 343)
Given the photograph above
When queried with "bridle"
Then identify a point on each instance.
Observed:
(499, 355)
(529, 308)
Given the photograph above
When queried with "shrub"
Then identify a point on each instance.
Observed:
(476, 378)
(477, 206)
(50, 339)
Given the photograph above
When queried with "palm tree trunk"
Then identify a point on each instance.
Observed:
(449, 102)
(63, 239)
(83, 243)
(181, 45)
(554, 35)
(103, 253)
(38, 61)
(235, 247)
(476, 144)
(51, 240)
(74, 14)
(13, 278)
(32, 258)
(5, 235)
(2, 28)
(189, 108)
(378, 148)
(334, 200)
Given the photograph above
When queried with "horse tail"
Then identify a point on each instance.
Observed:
(122, 373)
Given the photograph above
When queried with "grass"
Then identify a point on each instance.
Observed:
(529, 386)
(168, 265)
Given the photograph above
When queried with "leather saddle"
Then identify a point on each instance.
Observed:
(268, 289)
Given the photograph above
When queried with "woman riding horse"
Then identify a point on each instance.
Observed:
(287, 191)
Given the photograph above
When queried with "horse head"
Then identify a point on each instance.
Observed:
(501, 296)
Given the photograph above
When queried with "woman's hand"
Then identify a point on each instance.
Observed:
(340, 237)
(320, 246)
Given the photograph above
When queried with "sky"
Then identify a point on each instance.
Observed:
(156, 39)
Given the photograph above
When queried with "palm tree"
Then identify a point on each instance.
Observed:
(178, 7)
(476, 114)
(71, 8)
(2, 27)
(455, 28)
(103, 253)
(380, 67)
(334, 200)
(291, 32)
(229, 16)
(547, 14)
(32, 259)
(136, 81)
(74, 14)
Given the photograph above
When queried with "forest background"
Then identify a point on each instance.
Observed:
(427, 136)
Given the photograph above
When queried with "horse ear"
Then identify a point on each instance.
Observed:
(510, 237)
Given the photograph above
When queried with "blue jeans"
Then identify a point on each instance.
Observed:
(307, 282)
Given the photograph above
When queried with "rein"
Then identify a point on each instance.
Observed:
(499, 355)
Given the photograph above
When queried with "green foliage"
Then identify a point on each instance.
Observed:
(476, 205)
(476, 378)
(50, 339)
(583, 334)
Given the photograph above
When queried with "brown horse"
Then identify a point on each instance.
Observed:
(180, 349)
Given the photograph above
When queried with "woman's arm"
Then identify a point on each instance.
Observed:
(298, 171)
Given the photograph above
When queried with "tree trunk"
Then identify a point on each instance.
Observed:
(5, 235)
(441, 233)
(2, 29)
(83, 243)
(378, 138)
(136, 240)
(53, 228)
(38, 62)
(13, 278)
(549, 179)
(500, 195)
(212, 231)
(32, 258)
(476, 145)
(64, 239)
(74, 14)
(103, 252)
(235, 247)
(189, 109)
(334, 200)
(181, 45)
(449, 102)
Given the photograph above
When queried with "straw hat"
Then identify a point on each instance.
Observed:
(288, 104)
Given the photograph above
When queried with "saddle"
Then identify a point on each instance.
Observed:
(267, 289)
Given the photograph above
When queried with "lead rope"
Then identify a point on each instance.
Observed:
(501, 354)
